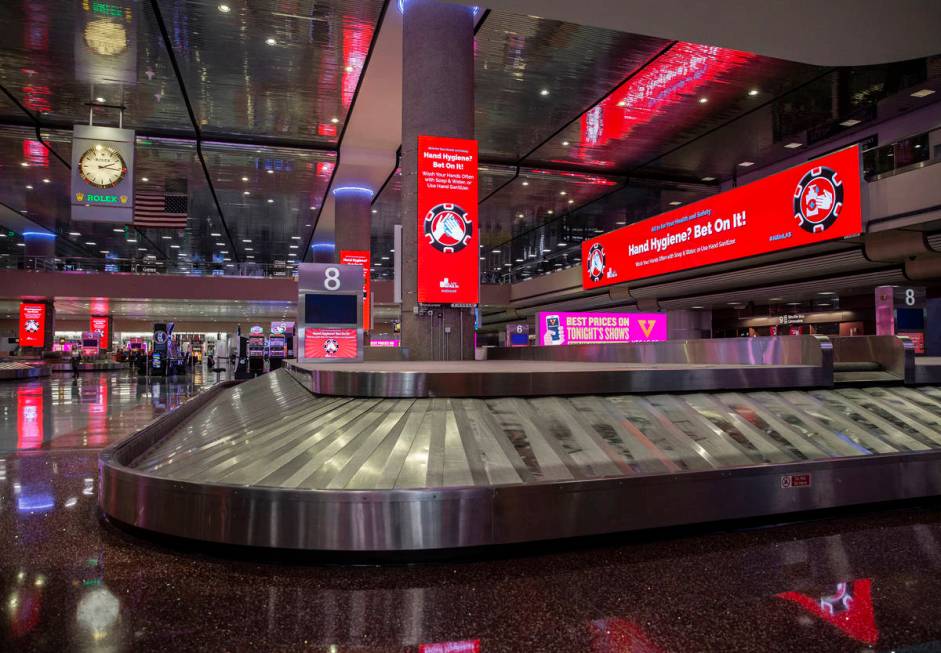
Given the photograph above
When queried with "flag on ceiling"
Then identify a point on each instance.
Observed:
(161, 209)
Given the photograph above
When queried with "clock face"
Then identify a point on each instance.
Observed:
(102, 166)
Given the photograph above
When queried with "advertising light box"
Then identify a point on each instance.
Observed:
(448, 230)
(99, 325)
(804, 205)
(561, 328)
(331, 343)
(361, 258)
(32, 325)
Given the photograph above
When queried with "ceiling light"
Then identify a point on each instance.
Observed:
(224, 9)
(270, 201)
(249, 249)
(220, 244)
(792, 146)
(544, 92)
(245, 192)
(496, 251)
(118, 231)
(850, 122)
(924, 92)
(622, 103)
(269, 171)
(571, 201)
(385, 258)
(74, 233)
(334, 120)
(565, 143)
(519, 215)
(776, 299)
(793, 303)
(103, 251)
(562, 244)
(141, 249)
(295, 237)
(215, 235)
(132, 240)
(375, 211)
(746, 164)
(29, 187)
(166, 237)
(293, 246)
(546, 250)
(246, 240)
(550, 211)
(348, 69)
(753, 92)
(45, 181)
(100, 100)
(24, 164)
(526, 183)
(621, 222)
(174, 247)
(675, 203)
(562, 192)
(695, 306)
(24, 245)
(826, 292)
(708, 178)
(249, 256)
(703, 100)
(271, 41)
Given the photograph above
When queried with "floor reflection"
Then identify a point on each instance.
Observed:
(865, 581)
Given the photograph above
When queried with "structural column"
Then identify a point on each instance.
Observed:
(437, 100)
(353, 222)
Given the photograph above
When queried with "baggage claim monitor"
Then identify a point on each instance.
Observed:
(330, 312)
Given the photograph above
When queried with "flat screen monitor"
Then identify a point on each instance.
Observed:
(909, 319)
(331, 309)
(90, 343)
(519, 339)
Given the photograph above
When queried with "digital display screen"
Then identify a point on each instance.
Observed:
(330, 309)
(519, 339)
(909, 319)
(91, 344)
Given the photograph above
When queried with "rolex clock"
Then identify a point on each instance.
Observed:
(102, 166)
(102, 174)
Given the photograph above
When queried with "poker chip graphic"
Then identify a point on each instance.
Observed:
(595, 262)
(818, 199)
(447, 228)
(331, 346)
(31, 326)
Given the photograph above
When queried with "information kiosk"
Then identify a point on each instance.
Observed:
(330, 311)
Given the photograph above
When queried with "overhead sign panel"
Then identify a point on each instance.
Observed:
(807, 204)
(102, 174)
(562, 328)
(32, 325)
(448, 229)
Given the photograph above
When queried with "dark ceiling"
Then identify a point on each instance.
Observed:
(581, 129)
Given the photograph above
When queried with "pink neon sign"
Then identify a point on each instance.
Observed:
(561, 328)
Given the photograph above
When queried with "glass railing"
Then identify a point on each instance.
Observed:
(143, 266)
(902, 156)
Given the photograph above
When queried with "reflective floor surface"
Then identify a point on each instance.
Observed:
(861, 580)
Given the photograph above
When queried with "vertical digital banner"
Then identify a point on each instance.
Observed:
(360, 257)
(99, 325)
(32, 325)
(448, 229)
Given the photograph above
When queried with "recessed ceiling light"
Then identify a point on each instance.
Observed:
(496, 251)
(703, 100)
(25, 164)
(23, 245)
(544, 92)
(695, 306)
(224, 9)
(246, 240)
(745, 164)
(776, 299)
(622, 103)
(348, 69)
(249, 256)
(29, 187)
(103, 251)
(565, 143)
(708, 178)
(375, 211)
(753, 92)
(216, 235)
(269, 171)
(525, 183)
(132, 240)
(793, 303)
(826, 292)
(924, 92)
(270, 201)
(562, 244)
(621, 222)
(334, 120)
(246, 192)
(550, 211)
(174, 247)
(850, 122)
(519, 215)
(74, 233)
(571, 201)
(249, 249)
(166, 237)
(675, 203)
(293, 246)
(118, 231)
(141, 249)
(46, 181)
(546, 250)
(271, 41)
(562, 192)
(792, 146)
(220, 244)
(100, 100)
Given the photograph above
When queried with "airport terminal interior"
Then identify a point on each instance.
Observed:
(428, 326)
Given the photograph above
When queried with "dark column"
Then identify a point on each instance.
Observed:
(40, 244)
(437, 100)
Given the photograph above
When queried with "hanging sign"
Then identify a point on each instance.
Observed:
(561, 328)
(807, 204)
(102, 174)
(361, 258)
(32, 325)
(448, 229)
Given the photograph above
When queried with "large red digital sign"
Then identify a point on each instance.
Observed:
(359, 257)
(325, 343)
(810, 203)
(99, 325)
(448, 229)
(32, 325)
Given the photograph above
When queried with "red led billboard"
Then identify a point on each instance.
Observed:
(359, 257)
(448, 230)
(99, 325)
(807, 204)
(32, 325)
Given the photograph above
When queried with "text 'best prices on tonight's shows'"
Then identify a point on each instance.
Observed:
(807, 204)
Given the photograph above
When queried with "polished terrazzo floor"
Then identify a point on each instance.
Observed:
(864, 580)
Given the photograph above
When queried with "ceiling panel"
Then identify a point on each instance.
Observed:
(272, 70)
(534, 75)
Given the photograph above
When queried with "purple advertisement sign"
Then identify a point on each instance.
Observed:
(560, 328)
(384, 342)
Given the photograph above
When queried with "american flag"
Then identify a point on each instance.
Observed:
(165, 209)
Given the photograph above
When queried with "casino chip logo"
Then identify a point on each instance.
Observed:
(331, 346)
(448, 228)
(595, 262)
(31, 326)
(818, 199)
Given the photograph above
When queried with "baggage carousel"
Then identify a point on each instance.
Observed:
(384, 457)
